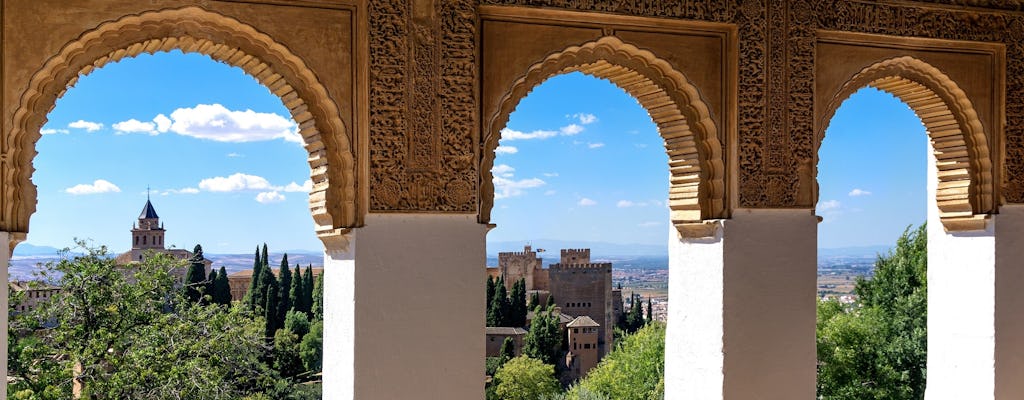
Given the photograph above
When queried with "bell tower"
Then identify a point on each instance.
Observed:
(148, 233)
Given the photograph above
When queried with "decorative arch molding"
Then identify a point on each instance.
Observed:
(966, 191)
(225, 39)
(697, 171)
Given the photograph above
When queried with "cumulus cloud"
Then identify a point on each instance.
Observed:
(506, 150)
(234, 183)
(163, 124)
(87, 125)
(216, 122)
(571, 129)
(97, 186)
(649, 224)
(585, 202)
(505, 187)
(595, 145)
(306, 186)
(135, 126)
(828, 205)
(859, 192)
(586, 118)
(52, 131)
(188, 190)
(269, 197)
(625, 204)
(512, 134)
(503, 170)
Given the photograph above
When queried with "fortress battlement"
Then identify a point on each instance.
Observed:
(575, 256)
(595, 266)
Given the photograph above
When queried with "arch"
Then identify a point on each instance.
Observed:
(966, 192)
(192, 29)
(696, 166)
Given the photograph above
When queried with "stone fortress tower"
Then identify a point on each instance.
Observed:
(525, 265)
(582, 288)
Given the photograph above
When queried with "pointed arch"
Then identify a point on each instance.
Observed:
(225, 39)
(966, 191)
(697, 171)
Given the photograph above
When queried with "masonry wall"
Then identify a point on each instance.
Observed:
(585, 289)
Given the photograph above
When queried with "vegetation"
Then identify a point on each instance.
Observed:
(134, 333)
(525, 378)
(876, 348)
(544, 340)
(506, 308)
(635, 370)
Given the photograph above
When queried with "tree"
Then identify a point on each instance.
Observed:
(307, 287)
(534, 300)
(284, 291)
(253, 298)
(312, 348)
(498, 314)
(633, 319)
(286, 353)
(650, 311)
(517, 304)
(877, 347)
(296, 292)
(133, 335)
(208, 286)
(222, 288)
(297, 323)
(551, 301)
(195, 276)
(508, 350)
(525, 378)
(270, 311)
(490, 293)
(317, 311)
(544, 340)
(635, 370)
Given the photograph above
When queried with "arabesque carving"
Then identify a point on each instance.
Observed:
(965, 191)
(191, 29)
(697, 182)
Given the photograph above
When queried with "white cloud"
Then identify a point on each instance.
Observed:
(216, 122)
(550, 174)
(88, 126)
(859, 192)
(571, 129)
(233, 183)
(550, 193)
(586, 118)
(506, 150)
(625, 204)
(505, 187)
(648, 224)
(269, 197)
(640, 145)
(595, 145)
(503, 170)
(135, 126)
(828, 205)
(585, 202)
(234, 155)
(52, 131)
(97, 186)
(306, 186)
(511, 134)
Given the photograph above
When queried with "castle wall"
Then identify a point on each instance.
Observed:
(585, 289)
(518, 265)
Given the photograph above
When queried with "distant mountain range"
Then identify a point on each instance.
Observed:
(857, 251)
(597, 249)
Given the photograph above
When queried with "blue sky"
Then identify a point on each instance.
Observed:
(226, 169)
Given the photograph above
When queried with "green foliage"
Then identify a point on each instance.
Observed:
(297, 323)
(270, 310)
(635, 370)
(195, 276)
(877, 348)
(633, 319)
(517, 309)
(133, 335)
(287, 360)
(311, 350)
(498, 315)
(524, 378)
(534, 300)
(296, 291)
(490, 293)
(508, 349)
(544, 340)
(222, 288)
(317, 310)
(285, 291)
(307, 287)
(254, 297)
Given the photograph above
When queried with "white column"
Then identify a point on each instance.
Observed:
(741, 321)
(404, 310)
(961, 306)
(5, 259)
(1009, 304)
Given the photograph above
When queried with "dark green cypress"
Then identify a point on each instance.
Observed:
(317, 310)
(285, 280)
(517, 304)
(307, 288)
(296, 291)
(498, 315)
(222, 288)
(508, 350)
(270, 313)
(551, 301)
(195, 277)
(254, 295)
(266, 258)
(208, 286)
(534, 300)
(490, 294)
(650, 311)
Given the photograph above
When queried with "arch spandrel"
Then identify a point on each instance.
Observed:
(190, 29)
(966, 189)
(697, 181)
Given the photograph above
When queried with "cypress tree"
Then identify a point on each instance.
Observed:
(499, 313)
(490, 292)
(222, 288)
(266, 259)
(534, 300)
(650, 311)
(296, 291)
(285, 302)
(208, 286)
(517, 304)
(551, 300)
(195, 277)
(508, 350)
(270, 313)
(307, 287)
(317, 310)
(544, 340)
(254, 297)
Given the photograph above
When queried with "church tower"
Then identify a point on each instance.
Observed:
(147, 233)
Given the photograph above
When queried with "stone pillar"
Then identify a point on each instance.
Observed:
(404, 310)
(5, 259)
(741, 321)
(975, 298)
